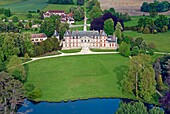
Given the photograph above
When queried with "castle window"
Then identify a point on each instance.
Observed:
(81, 40)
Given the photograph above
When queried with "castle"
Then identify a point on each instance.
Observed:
(88, 39)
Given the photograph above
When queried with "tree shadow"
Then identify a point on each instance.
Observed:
(121, 71)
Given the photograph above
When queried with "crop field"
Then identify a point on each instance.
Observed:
(26, 5)
(2, 2)
(130, 6)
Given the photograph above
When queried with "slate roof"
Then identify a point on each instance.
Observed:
(80, 34)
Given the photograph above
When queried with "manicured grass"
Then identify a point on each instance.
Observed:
(161, 40)
(26, 5)
(102, 50)
(78, 77)
(77, 28)
(71, 51)
(2, 2)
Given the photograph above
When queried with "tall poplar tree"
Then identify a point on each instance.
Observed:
(141, 77)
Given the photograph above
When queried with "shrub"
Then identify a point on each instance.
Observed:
(15, 19)
(146, 30)
(164, 29)
(152, 45)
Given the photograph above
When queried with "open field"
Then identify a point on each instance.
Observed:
(130, 6)
(2, 2)
(78, 77)
(27, 5)
(134, 20)
(161, 40)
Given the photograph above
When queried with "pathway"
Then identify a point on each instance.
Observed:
(84, 51)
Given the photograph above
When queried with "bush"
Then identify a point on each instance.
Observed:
(146, 30)
(26, 56)
(164, 29)
(152, 45)
(15, 19)
(29, 15)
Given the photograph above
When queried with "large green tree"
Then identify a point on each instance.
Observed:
(48, 27)
(109, 26)
(118, 32)
(9, 48)
(124, 49)
(95, 12)
(16, 69)
(140, 79)
(79, 14)
(11, 94)
(137, 108)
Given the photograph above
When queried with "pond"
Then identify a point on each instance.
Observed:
(90, 106)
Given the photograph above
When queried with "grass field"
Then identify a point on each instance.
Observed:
(161, 40)
(134, 20)
(78, 77)
(26, 5)
(102, 50)
(71, 51)
(2, 2)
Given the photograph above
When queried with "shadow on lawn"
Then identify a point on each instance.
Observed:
(121, 71)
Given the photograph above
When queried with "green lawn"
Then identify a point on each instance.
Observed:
(161, 40)
(102, 50)
(78, 77)
(71, 51)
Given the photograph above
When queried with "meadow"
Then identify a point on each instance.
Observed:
(78, 77)
(26, 5)
(2, 2)
(161, 40)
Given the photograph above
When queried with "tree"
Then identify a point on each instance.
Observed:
(135, 51)
(29, 15)
(78, 14)
(132, 108)
(16, 69)
(161, 21)
(48, 27)
(153, 13)
(15, 19)
(156, 110)
(62, 29)
(9, 48)
(109, 26)
(61, 1)
(80, 2)
(124, 49)
(95, 12)
(137, 108)
(11, 93)
(165, 101)
(141, 78)
(118, 32)
(146, 30)
(7, 12)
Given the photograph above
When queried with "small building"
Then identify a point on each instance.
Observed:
(36, 38)
(53, 12)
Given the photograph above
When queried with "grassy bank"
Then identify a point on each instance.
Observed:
(71, 51)
(78, 77)
(161, 40)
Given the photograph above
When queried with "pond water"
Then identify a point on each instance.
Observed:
(90, 106)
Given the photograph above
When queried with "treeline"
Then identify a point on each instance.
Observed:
(162, 73)
(158, 6)
(61, 1)
(148, 25)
